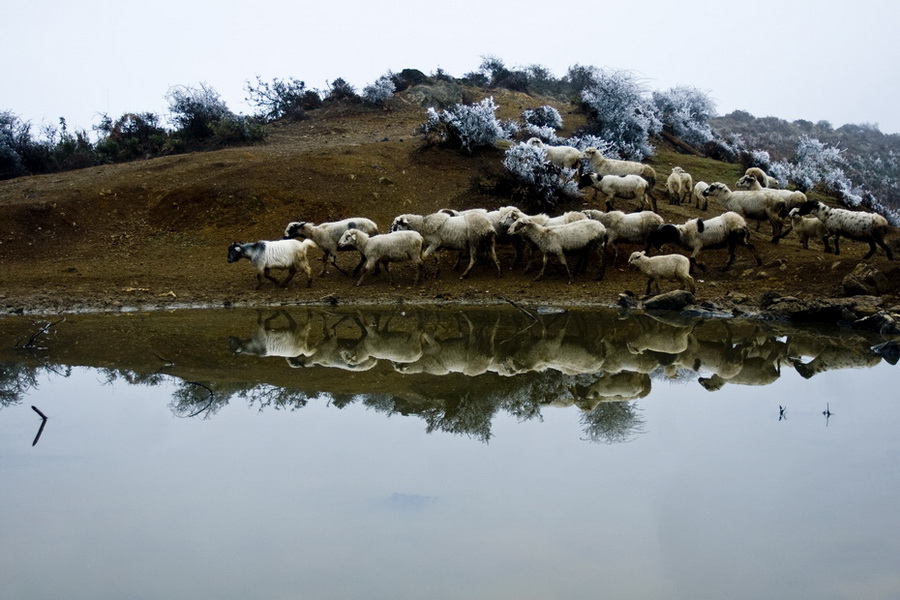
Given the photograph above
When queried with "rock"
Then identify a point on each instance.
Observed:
(889, 351)
(865, 280)
(674, 300)
(881, 322)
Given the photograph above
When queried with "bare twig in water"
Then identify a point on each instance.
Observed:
(520, 308)
(30, 344)
(212, 397)
(43, 424)
(37, 410)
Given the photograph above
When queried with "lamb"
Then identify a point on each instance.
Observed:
(397, 246)
(808, 226)
(633, 228)
(608, 166)
(582, 235)
(700, 200)
(859, 226)
(326, 236)
(620, 186)
(765, 180)
(679, 184)
(564, 157)
(668, 267)
(792, 198)
(757, 205)
(276, 254)
(470, 231)
(728, 230)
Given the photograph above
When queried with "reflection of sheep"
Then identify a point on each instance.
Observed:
(700, 200)
(565, 157)
(613, 387)
(470, 231)
(859, 226)
(766, 181)
(792, 198)
(679, 184)
(808, 226)
(838, 356)
(579, 236)
(667, 267)
(289, 255)
(632, 228)
(609, 166)
(757, 205)
(286, 341)
(625, 187)
(397, 246)
(728, 230)
(327, 235)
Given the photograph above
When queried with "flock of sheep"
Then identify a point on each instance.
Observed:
(475, 233)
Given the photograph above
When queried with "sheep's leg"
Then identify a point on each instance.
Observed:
(601, 256)
(562, 259)
(267, 274)
(837, 245)
(493, 252)
(324, 264)
(363, 276)
(420, 271)
(336, 266)
(543, 267)
(827, 244)
(890, 255)
(291, 272)
(472, 255)
(390, 274)
(359, 265)
(649, 284)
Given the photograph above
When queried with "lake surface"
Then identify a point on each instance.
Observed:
(341, 453)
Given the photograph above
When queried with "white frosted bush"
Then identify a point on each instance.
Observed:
(621, 113)
(686, 112)
(471, 126)
(379, 92)
(543, 116)
(529, 166)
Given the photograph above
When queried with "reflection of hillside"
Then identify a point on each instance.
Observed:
(454, 369)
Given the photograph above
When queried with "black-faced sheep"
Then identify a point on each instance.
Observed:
(808, 226)
(625, 187)
(326, 236)
(728, 230)
(665, 267)
(290, 255)
(758, 205)
(631, 228)
(580, 236)
(397, 246)
(609, 166)
(859, 226)
(471, 232)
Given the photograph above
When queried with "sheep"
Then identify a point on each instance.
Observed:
(608, 166)
(679, 184)
(792, 198)
(503, 238)
(728, 230)
(326, 236)
(470, 231)
(397, 246)
(808, 226)
(757, 205)
(859, 226)
(620, 186)
(578, 236)
(564, 157)
(765, 180)
(510, 214)
(275, 254)
(633, 228)
(668, 267)
(700, 201)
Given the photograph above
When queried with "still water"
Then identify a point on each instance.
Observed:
(311, 453)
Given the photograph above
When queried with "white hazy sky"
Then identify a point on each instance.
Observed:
(804, 59)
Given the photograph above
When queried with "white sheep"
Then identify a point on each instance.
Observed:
(665, 267)
(792, 198)
(496, 217)
(808, 226)
(564, 157)
(700, 201)
(609, 166)
(581, 236)
(397, 246)
(757, 205)
(728, 230)
(290, 255)
(471, 232)
(679, 184)
(765, 180)
(632, 228)
(326, 236)
(855, 225)
(511, 214)
(625, 187)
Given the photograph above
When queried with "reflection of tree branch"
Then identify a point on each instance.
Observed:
(30, 344)
(211, 397)
(612, 422)
(43, 424)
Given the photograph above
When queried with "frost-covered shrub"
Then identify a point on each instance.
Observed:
(685, 112)
(381, 91)
(543, 116)
(621, 113)
(545, 133)
(470, 126)
(538, 178)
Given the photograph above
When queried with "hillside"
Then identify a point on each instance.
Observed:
(154, 233)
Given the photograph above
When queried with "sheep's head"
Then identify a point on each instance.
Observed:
(535, 142)
(664, 234)
(348, 239)
(809, 207)
(715, 189)
(747, 182)
(517, 226)
(590, 153)
(294, 229)
(401, 223)
(636, 256)
(235, 252)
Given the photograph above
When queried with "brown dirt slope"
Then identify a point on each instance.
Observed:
(154, 233)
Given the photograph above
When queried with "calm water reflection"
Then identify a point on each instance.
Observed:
(167, 467)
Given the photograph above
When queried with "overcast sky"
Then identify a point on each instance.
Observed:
(808, 60)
